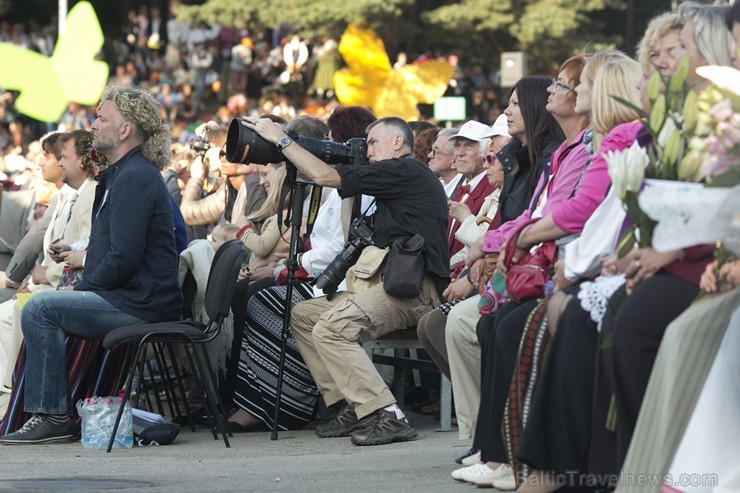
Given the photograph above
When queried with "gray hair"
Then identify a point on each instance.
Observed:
(711, 36)
(446, 133)
(398, 126)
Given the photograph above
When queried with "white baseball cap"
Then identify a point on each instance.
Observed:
(473, 130)
(500, 127)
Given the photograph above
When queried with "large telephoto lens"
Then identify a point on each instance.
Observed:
(327, 151)
(244, 146)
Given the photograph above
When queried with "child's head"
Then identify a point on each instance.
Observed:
(222, 233)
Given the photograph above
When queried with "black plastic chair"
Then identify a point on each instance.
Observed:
(219, 291)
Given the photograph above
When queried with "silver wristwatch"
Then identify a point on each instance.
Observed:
(284, 142)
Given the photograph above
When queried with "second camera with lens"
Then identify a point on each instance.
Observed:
(360, 236)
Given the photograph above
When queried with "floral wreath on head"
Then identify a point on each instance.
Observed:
(94, 156)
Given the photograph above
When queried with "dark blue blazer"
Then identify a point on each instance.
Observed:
(131, 259)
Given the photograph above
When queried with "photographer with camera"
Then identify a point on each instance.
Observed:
(233, 189)
(410, 201)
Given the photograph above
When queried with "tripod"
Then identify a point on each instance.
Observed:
(298, 193)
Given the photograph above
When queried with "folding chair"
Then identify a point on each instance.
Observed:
(219, 291)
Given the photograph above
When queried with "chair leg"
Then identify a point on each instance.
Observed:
(214, 380)
(104, 363)
(141, 383)
(153, 380)
(165, 376)
(128, 365)
(399, 380)
(195, 365)
(126, 396)
(211, 392)
(181, 386)
(445, 404)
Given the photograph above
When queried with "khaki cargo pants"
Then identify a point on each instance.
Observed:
(329, 334)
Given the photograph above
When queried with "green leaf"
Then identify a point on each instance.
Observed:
(626, 242)
(657, 114)
(729, 178)
(678, 79)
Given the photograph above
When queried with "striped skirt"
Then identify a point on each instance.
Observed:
(259, 362)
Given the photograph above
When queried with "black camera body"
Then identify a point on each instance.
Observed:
(200, 146)
(244, 145)
(360, 235)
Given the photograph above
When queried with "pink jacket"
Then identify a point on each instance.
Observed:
(566, 164)
(574, 212)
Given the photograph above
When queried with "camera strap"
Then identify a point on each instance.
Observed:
(313, 210)
(364, 214)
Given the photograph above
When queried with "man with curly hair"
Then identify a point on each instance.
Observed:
(130, 269)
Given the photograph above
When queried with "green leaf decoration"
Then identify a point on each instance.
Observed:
(48, 84)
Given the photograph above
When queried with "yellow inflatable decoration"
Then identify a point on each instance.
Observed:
(48, 84)
(371, 81)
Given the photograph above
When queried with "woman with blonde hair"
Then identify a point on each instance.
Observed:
(660, 47)
(274, 238)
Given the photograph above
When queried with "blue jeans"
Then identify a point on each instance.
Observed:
(45, 320)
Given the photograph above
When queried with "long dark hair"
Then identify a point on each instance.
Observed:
(540, 128)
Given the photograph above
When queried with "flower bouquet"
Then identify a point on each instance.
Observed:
(672, 119)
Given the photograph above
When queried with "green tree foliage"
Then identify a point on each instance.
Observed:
(478, 30)
(547, 30)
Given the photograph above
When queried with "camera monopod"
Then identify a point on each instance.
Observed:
(297, 191)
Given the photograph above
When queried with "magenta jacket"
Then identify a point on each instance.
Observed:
(566, 165)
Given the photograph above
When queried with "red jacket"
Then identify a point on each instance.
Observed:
(474, 202)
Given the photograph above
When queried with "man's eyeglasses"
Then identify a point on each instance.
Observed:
(556, 83)
(436, 150)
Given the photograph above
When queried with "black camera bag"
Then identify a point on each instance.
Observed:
(404, 271)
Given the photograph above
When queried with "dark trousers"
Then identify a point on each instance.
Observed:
(638, 328)
(556, 437)
(499, 338)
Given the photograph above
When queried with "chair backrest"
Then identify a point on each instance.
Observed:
(222, 280)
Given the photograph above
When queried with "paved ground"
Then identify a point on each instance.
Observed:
(297, 461)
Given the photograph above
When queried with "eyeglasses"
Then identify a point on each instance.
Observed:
(437, 150)
(556, 83)
(490, 159)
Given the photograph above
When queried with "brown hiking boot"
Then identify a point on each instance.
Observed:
(385, 429)
(344, 423)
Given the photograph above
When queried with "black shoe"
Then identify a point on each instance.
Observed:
(200, 417)
(38, 430)
(467, 454)
(432, 399)
(344, 424)
(235, 427)
(385, 429)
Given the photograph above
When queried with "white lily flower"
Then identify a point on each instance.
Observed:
(627, 169)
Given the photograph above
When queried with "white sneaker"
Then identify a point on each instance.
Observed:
(505, 479)
(474, 469)
(471, 459)
(457, 473)
(475, 472)
(495, 475)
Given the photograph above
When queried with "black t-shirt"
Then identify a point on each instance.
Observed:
(410, 199)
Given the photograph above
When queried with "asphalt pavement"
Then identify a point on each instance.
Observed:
(195, 462)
